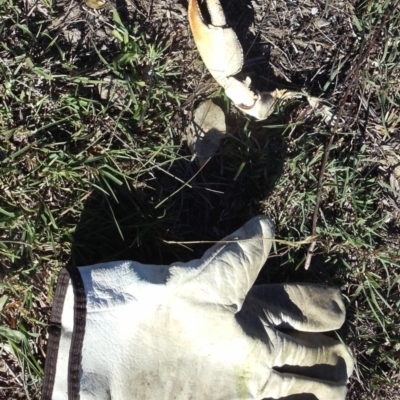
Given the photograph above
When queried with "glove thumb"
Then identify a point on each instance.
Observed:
(227, 271)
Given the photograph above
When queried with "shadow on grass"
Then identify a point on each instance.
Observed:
(136, 223)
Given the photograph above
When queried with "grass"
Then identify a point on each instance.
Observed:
(93, 168)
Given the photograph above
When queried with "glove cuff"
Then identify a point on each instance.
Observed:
(66, 332)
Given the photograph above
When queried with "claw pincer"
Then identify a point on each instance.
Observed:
(217, 43)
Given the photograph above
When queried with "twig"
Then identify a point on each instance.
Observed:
(280, 241)
(172, 176)
(184, 185)
(354, 75)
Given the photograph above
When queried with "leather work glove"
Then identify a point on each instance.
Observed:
(197, 330)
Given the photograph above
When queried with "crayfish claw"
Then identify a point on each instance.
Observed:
(222, 54)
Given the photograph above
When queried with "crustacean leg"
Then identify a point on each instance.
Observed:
(222, 54)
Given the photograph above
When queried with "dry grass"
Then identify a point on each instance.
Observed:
(93, 160)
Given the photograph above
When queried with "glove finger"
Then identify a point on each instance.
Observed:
(303, 307)
(281, 385)
(315, 356)
(228, 270)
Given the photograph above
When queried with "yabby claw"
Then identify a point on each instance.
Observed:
(222, 54)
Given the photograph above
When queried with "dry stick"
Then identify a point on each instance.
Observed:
(342, 103)
(281, 241)
(184, 185)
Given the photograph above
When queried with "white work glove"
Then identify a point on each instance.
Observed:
(196, 330)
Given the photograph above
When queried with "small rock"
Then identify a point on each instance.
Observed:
(206, 131)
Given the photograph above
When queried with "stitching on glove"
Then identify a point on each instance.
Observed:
(77, 335)
(54, 335)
